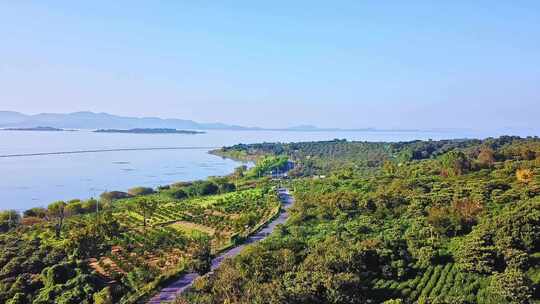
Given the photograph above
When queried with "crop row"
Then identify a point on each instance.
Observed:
(440, 282)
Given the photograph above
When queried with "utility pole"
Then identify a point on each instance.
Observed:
(96, 228)
(97, 205)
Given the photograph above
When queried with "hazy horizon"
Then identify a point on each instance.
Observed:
(413, 65)
(471, 132)
(299, 124)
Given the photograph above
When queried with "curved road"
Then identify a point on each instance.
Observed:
(173, 290)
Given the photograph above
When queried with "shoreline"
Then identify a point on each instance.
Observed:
(44, 205)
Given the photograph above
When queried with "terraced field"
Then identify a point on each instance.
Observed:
(189, 228)
(224, 212)
(179, 234)
(441, 283)
(177, 226)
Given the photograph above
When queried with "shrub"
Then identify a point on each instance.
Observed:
(104, 296)
(9, 219)
(181, 184)
(109, 197)
(226, 187)
(137, 191)
(524, 175)
(163, 188)
(202, 188)
(74, 208)
(436, 291)
(486, 157)
(477, 253)
(454, 163)
(57, 274)
(177, 193)
(35, 212)
(512, 286)
(425, 279)
(432, 281)
(18, 298)
(91, 205)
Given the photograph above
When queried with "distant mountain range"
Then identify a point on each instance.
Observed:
(92, 121)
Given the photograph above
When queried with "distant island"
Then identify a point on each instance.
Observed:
(91, 121)
(149, 131)
(36, 129)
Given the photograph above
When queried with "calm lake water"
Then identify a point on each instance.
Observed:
(30, 181)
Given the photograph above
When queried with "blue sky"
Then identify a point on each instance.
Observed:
(354, 64)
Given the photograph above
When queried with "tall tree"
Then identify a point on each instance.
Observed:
(146, 207)
(486, 157)
(511, 286)
(454, 163)
(9, 219)
(57, 211)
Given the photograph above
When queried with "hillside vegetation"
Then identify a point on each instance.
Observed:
(121, 248)
(418, 222)
(454, 221)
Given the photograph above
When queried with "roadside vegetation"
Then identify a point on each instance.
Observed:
(419, 222)
(124, 246)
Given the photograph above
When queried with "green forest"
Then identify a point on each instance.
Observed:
(417, 222)
(448, 222)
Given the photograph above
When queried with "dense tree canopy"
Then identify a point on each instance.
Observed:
(435, 222)
(452, 221)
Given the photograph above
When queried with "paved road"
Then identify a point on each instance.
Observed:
(176, 288)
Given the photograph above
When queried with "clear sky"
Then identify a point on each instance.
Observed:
(353, 64)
